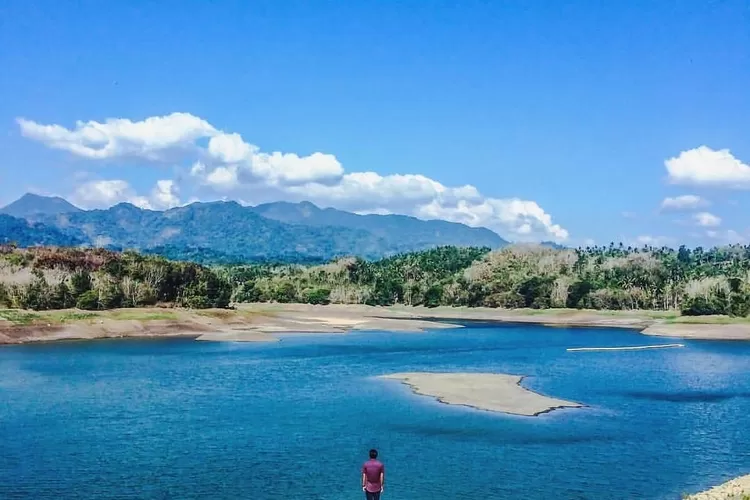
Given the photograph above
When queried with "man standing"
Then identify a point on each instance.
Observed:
(373, 477)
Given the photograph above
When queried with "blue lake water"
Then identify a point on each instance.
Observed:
(164, 419)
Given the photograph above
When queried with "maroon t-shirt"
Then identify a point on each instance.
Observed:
(372, 470)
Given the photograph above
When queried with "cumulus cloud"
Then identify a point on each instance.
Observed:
(230, 148)
(706, 219)
(165, 194)
(222, 178)
(105, 193)
(683, 202)
(520, 219)
(228, 165)
(704, 166)
(276, 168)
(426, 198)
(291, 169)
(118, 137)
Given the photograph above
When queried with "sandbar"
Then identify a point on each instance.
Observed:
(735, 489)
(496, 392)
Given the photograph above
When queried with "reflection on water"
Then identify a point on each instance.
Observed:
(189, 420)
(686, 396)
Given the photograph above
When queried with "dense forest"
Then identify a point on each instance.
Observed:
(60, 278)
(692, 281)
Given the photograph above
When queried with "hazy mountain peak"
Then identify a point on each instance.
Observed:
(405, 232)
(33, 205)
(273, 231)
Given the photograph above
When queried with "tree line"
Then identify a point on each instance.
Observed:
(693, 281)
(91, 279)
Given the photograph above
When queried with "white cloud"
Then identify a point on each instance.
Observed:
(288, 168)
(428, 199)
(727, 237)
(519, 219)
(707, 167)
(165, 194)
(230, 148)
(223, 178)
(629, 215)
(276, 167)
(706, 219)
(198, 169)
(228, 165)
(105, 193)
(683, 202)
(118, 137)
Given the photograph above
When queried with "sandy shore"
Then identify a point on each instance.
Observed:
(102, 329)
(248, 323)
(738, 331)
(735, 489)
(485, 391)
(264, 322)
(548, 317)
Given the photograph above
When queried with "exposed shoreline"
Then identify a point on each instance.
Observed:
(495, 392)
(265, 322)
(731, 490)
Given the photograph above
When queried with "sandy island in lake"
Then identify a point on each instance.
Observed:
(485, 391)
(736, 489)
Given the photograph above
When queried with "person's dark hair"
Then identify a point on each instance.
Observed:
(373, 453)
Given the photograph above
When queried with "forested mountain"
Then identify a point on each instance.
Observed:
(412, 233)
(227, 232)
(32, 206)
(26, 233)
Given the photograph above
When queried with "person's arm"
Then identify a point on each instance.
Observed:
(382, 479)
(364, 479)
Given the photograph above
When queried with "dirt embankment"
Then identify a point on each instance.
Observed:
(77, 325)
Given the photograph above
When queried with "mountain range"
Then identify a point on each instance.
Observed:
(229, 232)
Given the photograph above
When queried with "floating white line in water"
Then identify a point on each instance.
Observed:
(628, 348)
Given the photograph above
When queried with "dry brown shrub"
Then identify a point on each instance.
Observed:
(349, 294)
(559, 295)
(705, 287)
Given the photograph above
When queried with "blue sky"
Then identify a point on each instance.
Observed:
(540, 120)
